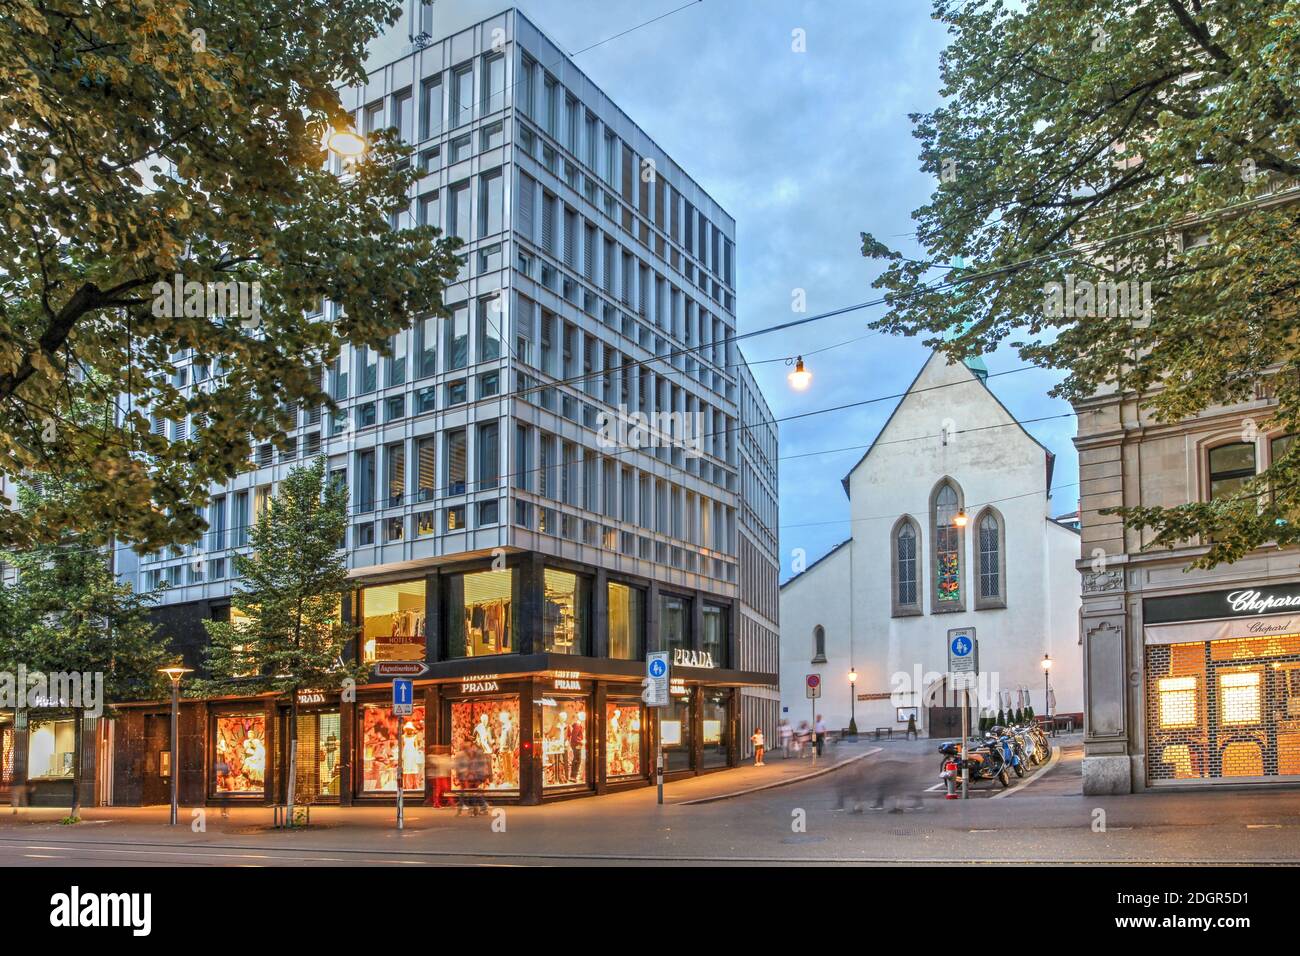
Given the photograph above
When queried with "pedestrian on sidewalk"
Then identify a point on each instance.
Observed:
(438, 766)
(756, 738)
(787, 737)
(803, 739)
(819, 733)
(911, 727)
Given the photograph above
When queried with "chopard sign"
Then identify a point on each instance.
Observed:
(1252, 602)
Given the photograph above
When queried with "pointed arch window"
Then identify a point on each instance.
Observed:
(990, 559)
(945, 503)
(905, 596)
(819, 645)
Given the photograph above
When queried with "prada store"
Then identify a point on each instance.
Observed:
(532, 686)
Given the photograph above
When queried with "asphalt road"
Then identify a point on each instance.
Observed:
(1044, 819)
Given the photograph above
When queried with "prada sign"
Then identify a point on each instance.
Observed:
(685, 658)
(1241, 602)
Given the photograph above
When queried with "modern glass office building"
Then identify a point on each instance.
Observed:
(573, 468)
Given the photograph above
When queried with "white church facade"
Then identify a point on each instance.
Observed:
(951, 528)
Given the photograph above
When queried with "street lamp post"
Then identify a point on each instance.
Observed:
(1047, 692)
(853, 699)
(175, 672)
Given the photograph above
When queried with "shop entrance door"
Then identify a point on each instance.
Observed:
(155, 788)
(319, 743)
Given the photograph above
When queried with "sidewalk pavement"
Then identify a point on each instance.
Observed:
(706, 788)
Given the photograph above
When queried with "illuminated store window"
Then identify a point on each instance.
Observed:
(485, 744)
(564, 613)
(392, 622)
(386, 739)
(626, 617)
(1240, 701)
(49, 750)
(1243, 758)
(6, 756)
(1179, 756)
(239, 753)
(1177, 702)
(623, 738)
(479, 618)
(565, 739)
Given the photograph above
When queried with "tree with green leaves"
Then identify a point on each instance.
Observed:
(288, 634)
(164, 190)
(1116, 197)
(67, 613)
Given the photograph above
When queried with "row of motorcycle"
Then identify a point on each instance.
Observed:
(1004, 751)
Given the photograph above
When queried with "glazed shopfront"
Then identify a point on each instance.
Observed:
(532, 686)
(1223, 686)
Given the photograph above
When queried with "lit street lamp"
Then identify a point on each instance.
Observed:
(853, 699)
(800, 378)
(346, 143)
(175, 672)
(1047, 693)
(959, 519)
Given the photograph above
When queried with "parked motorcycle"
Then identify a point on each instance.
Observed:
(986, 762)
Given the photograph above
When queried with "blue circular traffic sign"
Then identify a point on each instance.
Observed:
(658, 667)
(961, 645)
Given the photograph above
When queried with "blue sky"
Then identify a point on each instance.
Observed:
(807, 150)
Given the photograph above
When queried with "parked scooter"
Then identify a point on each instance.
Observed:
(986, 762)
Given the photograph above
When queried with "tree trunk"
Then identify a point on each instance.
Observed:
(292, 782)
(76, 762)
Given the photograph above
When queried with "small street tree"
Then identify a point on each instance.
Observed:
(289, 635)
(68, 614)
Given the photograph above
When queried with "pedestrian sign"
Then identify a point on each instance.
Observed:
(813, 685)
(656, 679)
(403, 697)
(963, 651)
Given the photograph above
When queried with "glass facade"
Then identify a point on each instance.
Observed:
(479, 618)
(239, 761)
(626, 619)
(485, 743)
(674, 623)
(565, 742)
(675, 721)
(715, 728)
(713, 640)
(393, 622)
(564, 612)
(386, 739)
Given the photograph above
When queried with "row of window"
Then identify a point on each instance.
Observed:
(947, 573)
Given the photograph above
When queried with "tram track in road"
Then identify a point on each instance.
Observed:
(234, 855)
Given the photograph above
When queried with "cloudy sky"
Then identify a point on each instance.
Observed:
(807, 150)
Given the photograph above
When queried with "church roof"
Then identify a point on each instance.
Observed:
(981, 378)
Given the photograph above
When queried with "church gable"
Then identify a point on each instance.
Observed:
(947, 405)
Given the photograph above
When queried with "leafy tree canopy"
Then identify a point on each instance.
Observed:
(1093, 144)
(143, 141)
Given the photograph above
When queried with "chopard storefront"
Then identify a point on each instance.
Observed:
(1223, 686)
(531, 685)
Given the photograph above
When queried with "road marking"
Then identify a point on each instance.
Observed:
(1056, 756)
(42, 856)
(938, 786)
(1263, 826)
